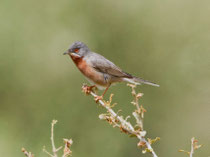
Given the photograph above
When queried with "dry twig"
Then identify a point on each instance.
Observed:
(194, 146)
(67, 144)
(123, 124)
(28, 154)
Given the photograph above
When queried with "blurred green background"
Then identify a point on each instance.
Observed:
(167, 42)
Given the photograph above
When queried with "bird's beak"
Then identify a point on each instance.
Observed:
(65, 53)
(68, 52)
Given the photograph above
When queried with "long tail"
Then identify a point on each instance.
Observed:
(137, 81)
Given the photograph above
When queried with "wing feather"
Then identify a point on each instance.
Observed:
(103, 65)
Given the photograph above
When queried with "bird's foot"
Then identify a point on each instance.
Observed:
(97, 98)
(87, 89)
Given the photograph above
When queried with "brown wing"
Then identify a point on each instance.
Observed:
(103, 65)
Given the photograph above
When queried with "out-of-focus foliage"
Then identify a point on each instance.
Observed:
(162, 41)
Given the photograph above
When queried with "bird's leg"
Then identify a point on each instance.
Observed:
(97, 98)
(87, 89)
(105, 90)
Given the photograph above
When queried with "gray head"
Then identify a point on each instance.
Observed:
(79, 48)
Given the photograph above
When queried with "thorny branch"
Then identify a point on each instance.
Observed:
(123, 124)
(194, 146)
(67, 144)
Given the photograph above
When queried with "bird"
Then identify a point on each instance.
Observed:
(99, 71)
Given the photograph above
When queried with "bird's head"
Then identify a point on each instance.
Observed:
(77, 48)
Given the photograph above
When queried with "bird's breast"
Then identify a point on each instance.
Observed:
(87, 69)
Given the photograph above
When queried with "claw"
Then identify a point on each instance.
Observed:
(97, 98)
(87, 89)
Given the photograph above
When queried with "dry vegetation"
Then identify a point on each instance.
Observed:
(66, 150)
(117, 121)
(194, 146)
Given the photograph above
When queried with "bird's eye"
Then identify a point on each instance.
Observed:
(76, 50)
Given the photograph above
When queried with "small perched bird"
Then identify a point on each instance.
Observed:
(100, 72)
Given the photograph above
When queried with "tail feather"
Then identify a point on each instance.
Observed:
(138, 81)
